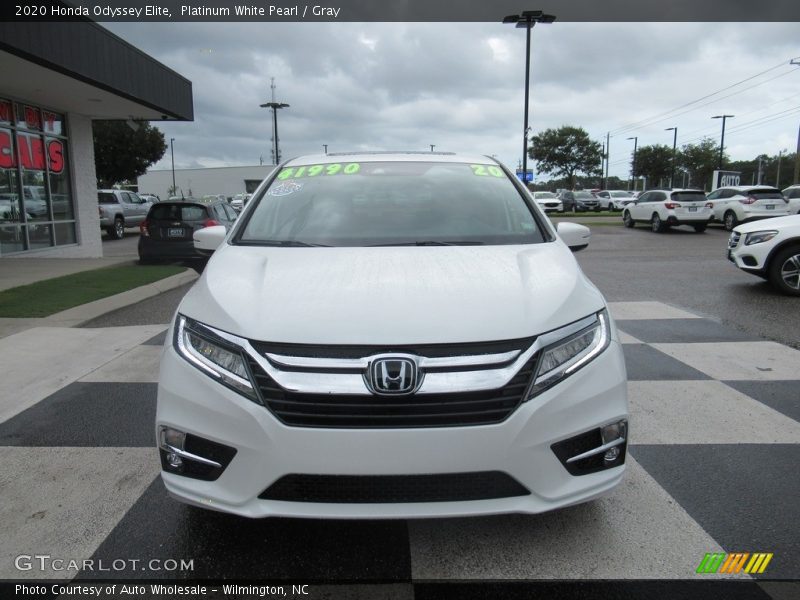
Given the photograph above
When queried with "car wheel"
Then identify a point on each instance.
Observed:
(784, 271)
(117, 230)
(730, 220)
(700, 228)
(628, 221)
(656, 224)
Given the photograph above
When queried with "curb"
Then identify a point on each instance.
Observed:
(78, 315)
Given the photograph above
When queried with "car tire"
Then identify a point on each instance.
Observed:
(730, 220)
(784, 271)
(700, 228)
(656, 224)
(117, 230)
(628, 221)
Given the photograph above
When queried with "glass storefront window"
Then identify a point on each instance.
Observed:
(12, 239)
(65, 234)
(60, 188)
(36, 201)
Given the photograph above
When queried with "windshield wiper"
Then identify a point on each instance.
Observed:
(289, 243)
(433, 243)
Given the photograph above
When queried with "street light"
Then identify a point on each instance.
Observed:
(674, 153)
(527, 20)
(633, 170)
(722, 140)
(172, 152)
(275, 106)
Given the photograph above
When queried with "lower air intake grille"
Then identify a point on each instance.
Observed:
(374, 489)
(455, 409)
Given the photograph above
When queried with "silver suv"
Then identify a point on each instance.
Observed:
(120, 209)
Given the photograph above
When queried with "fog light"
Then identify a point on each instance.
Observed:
(613, 432)
(172, 438)
(610, 456)
(174, 460)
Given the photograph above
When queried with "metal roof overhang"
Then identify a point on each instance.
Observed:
(82, 67)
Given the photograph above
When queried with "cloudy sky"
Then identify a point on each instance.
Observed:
(460, 86)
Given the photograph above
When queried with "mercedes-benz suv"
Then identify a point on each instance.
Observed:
(392, 335)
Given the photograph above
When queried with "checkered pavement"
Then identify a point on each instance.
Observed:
(713, 466)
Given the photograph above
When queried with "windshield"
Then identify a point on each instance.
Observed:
(766, 194)
(391, 203)
(688, 196)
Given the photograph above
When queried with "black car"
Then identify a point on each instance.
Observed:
(579, 201)
(166, 232)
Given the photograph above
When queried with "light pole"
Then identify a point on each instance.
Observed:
(527, 20)
(275, 106)
(633, 170)
(674, 153)
(172, 152)
(722, 139)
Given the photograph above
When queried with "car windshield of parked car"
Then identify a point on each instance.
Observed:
(546, 196)
(106, 198)
(766, 194)
(391, 203)
(177, 212)
(697, 196)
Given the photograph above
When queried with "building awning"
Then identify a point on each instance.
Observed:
(84, 68)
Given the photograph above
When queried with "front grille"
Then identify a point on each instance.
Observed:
(361, 489)
(371, 411)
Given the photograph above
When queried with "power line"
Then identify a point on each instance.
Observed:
(638, 124)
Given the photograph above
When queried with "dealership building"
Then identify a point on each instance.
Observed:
(56, 78)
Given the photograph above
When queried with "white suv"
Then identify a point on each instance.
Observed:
(732, 205)
(769, 249)
(792, 194)
(666, 208)
(392, 336)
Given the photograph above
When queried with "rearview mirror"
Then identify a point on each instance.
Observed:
(573, 235)
(208, 239)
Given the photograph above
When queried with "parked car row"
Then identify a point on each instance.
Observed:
(729, 205)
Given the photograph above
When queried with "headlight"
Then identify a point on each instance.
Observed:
(758, 237)
(218, 357)
(570, 348)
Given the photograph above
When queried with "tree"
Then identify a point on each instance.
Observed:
(121, 153)
(566, 151)
(653, 162)
(700, 160)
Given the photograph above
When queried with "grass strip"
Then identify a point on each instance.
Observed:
(50, 296)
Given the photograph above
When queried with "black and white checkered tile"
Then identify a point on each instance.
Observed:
(713, 467)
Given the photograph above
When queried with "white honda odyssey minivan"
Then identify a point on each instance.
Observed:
(386, 335)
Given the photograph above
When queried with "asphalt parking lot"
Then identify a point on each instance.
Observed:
(715, 447)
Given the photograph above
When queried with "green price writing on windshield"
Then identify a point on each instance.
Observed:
(486, 170)
(316, 170)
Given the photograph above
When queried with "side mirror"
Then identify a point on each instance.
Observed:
(209, 239)
(573, 235)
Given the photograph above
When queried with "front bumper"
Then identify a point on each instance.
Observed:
(267, 450)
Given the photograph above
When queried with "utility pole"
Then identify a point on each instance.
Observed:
(722, 140)
(275, 106)
(527, 20)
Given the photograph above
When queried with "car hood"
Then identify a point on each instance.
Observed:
(773, 223)
(391, 295)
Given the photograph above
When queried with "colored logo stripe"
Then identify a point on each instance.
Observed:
(721, 562)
